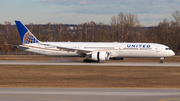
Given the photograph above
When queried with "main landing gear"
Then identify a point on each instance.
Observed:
(87, 60)
(161, 60)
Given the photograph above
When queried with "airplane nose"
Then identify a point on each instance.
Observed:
(173, 53)
(169, 54)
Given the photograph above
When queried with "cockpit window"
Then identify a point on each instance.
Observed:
(168, 48)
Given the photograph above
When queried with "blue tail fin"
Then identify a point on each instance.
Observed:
(26, 36)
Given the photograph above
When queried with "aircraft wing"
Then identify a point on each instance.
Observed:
(68, 48)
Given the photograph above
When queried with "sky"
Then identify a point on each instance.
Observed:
(149, 12)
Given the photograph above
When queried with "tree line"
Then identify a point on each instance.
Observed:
(122, 28)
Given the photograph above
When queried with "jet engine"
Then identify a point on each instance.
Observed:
(100, 55)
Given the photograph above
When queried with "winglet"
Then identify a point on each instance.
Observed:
(26, 36)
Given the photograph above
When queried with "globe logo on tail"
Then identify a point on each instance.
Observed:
(29, 38)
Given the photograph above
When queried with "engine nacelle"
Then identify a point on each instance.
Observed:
(100, 56)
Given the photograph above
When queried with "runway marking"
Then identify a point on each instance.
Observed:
(171, 99)
(34, 98)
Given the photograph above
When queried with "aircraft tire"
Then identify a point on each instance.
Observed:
(87, 60)
(161, 61)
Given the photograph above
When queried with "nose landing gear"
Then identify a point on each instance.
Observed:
(161, 60)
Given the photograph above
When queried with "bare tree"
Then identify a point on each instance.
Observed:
(176, 16)
(85, 29)
(123, 25)
(40, 33)
(164, 32)
(48, 32)
(79, 33)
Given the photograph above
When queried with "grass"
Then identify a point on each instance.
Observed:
(89, 76)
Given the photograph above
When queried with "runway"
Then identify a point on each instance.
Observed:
(10, 62)
(88, 94)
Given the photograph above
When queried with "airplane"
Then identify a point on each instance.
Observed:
(92, 51)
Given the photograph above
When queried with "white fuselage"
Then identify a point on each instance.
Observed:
(148, 50)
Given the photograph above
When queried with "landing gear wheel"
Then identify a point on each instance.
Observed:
(87, 60)
(161, 61)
